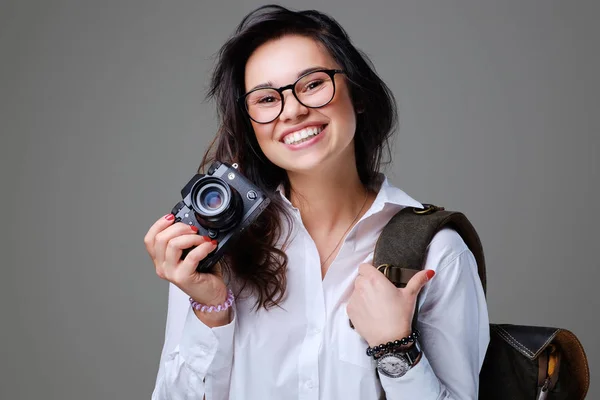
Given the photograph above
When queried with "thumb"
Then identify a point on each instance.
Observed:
(416, 283)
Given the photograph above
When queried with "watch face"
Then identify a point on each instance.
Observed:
(393, 365)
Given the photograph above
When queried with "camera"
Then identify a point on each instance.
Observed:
(221, 204)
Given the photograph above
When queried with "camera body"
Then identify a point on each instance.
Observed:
(221, 204)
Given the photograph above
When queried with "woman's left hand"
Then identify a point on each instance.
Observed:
(381, 312)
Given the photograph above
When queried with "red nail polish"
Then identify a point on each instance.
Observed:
(169, 217)
(194, 228)
(214, 242)
(206, 238)
(430, 274)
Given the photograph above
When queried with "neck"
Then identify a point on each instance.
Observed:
(328, 198)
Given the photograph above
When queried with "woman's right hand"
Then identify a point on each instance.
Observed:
(165, 242)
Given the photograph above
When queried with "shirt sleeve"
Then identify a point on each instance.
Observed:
(196, 360)
(454, 325)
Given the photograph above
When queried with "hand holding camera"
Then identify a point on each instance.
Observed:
(186, 244)
(165, 242)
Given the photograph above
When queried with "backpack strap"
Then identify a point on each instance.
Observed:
(402, 246)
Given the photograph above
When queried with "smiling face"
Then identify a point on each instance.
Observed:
(302, 139)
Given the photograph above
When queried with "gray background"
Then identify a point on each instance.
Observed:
(102, 121)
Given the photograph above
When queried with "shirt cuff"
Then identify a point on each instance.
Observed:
(419, 382)
(203, 348)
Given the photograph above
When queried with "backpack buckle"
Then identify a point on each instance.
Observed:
(427, 209)
(385, 269)
(397, 275)
(386, 273)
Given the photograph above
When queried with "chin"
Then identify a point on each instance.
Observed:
(306, 163)
(305, 168)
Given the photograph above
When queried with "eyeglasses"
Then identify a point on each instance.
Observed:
(313, 90)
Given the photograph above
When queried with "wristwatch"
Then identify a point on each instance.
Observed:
(396, 364)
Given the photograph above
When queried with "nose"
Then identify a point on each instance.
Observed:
(292, 108)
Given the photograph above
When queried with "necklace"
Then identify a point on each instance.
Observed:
(347, 230)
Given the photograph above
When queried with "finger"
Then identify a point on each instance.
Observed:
(162, 239)
(416, 283)
(365, 269)
(188, 266)
(176, 246)
(157, 227)
(359, 282)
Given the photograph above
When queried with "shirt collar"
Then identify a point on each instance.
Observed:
(387, 194)
(390, 194)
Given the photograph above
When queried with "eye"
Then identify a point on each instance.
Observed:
(312, 85)
(267, 99)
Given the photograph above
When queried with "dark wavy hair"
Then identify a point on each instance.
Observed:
(258, 262)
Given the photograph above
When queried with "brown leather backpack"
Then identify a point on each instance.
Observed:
(522, 362)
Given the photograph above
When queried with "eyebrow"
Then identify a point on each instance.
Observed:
(269, 84)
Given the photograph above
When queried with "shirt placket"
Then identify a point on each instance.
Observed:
(308, 363)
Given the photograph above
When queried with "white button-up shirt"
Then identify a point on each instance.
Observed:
(306, 350)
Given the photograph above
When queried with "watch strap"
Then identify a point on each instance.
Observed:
(412, 353)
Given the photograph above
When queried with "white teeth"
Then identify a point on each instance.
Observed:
(301, 135)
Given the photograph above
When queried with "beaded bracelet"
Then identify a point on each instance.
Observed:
(221, 307)
(378, 351)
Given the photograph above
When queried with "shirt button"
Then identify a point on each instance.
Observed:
(315, 331)
(309, 384)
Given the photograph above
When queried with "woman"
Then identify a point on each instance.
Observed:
(307, 120)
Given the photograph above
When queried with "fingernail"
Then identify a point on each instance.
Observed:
(169, 217)
(214, 242)
(429, 274)
(206, 238)
(194, 228)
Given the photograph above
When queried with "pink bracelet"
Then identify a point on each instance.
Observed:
(221, 307)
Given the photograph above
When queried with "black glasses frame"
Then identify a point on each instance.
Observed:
(242, 99)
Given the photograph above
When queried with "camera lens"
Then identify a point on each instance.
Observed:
(217, 204)
(212, 198)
